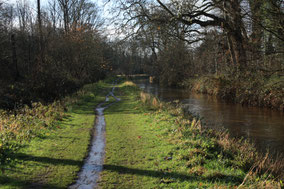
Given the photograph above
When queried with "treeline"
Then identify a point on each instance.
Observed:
(183, 39)
(49, 51)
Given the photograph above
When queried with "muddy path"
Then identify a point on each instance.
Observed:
(93, 165)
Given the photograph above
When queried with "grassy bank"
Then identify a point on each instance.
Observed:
(253, 90)
(44, 146)
(152, 145)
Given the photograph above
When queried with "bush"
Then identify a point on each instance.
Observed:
(254, 90)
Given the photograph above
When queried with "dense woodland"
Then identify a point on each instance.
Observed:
(49, 51)
(201, 37)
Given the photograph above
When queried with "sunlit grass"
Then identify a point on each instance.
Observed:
(148, 145)
(53, 158)
(158, 148)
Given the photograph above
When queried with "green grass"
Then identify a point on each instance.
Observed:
(147, 148)
(53, 159)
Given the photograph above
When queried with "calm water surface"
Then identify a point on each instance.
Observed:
(265, 127)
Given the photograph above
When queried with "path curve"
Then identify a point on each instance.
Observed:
(93, 165)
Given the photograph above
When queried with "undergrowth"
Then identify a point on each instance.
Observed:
(255, 89)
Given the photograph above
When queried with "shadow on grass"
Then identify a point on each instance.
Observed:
(86, 106)
(85, 109)
(54, 161)
(122, 112)
(171, 175)
(24, 184)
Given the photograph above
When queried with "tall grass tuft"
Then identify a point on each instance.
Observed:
(150, 100)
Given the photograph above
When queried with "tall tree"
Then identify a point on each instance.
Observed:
(41, 45)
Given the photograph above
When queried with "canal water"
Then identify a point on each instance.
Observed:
(265, 127)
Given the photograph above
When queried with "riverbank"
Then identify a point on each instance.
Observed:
(45, 146)
(252, 90)
(152, 145)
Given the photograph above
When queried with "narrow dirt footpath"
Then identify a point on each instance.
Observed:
(93, 165)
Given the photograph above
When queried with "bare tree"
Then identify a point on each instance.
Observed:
(41, 45)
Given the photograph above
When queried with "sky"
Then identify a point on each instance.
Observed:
(33, 3)
(110, 29)
(45, 1)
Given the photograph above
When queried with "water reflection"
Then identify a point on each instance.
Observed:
(263, 126)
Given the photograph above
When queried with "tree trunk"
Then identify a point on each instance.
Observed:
(239, 51)
(236, 39)
(257, 32)
(41, 47)
(14, 58)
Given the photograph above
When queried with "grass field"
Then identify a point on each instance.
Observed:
(150, 147)
(53, 159)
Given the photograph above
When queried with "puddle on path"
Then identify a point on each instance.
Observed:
(93, 165)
